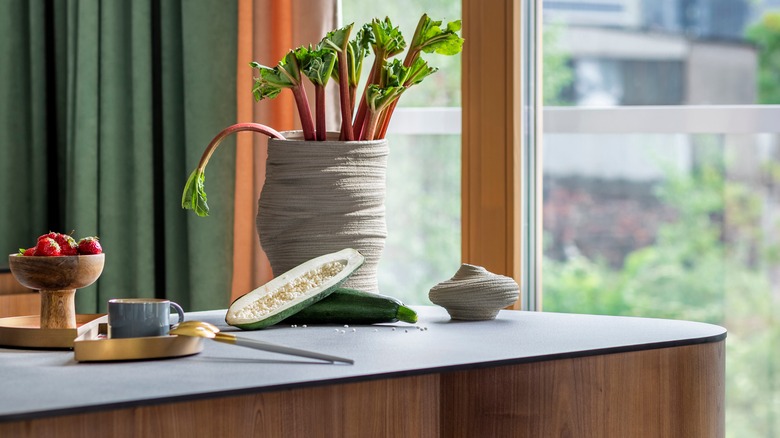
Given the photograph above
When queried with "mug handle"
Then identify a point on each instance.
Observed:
(178, 310)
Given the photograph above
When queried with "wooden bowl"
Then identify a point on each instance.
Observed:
(57, 279)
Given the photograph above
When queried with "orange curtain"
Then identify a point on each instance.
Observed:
(267, 29)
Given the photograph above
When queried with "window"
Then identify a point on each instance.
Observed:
(660, 176)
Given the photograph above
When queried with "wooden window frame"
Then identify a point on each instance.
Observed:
(493, 191)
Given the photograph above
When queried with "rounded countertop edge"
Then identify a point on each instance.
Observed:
(706, 333)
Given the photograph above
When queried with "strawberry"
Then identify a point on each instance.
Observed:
(47, 247)
(68, 245)
(29, 251)
(89, 245)
(50, 235)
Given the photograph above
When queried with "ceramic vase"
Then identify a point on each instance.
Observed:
(322, 197)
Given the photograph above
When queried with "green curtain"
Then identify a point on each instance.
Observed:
(105, 108)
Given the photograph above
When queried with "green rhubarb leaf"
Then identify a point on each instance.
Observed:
(263, 90)
(338, 39)
(386, 38)
(418, 71)
(194, 195)
(394, 74)
(430, 37)
(378, 98)
(269, 83)
(318, 65)
(357, 51)
(290, 67)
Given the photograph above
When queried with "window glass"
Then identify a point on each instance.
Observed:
(664, 223)
(423, 170)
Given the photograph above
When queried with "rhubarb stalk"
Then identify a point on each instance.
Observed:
(317, 65)
(357, 51)
(378, 99)
(287, 74)
(387, 41)
(428, 37)
(412, 75)
(338, 40)
(194, 195)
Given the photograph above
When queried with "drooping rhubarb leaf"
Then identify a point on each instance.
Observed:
(194, 195)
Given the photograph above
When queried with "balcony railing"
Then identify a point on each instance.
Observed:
(721, 119)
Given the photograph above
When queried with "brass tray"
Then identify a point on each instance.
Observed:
(26, 332)
(153, 347)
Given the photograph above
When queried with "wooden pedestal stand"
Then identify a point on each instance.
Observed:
(57, 279)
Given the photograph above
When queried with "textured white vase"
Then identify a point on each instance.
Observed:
(322, 197)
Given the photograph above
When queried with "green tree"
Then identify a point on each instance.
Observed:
(556, 71)
(766, 36)
(712, 264)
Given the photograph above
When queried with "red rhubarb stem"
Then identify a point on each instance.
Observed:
(319, 104)
(360, 117)
(238, 127)
(352, 95)
(304, 112)
(346, 114)
(373, 120)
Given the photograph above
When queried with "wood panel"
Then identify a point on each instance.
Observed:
(403, 407)
(9, 285)
(20, 304)
(671, 392)
(15, 299)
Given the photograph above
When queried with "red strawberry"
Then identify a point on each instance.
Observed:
(29, 251)
(89, 245)
(50, 235)
(68, 245)
(47, 247)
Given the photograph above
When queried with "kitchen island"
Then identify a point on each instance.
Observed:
(525, 374)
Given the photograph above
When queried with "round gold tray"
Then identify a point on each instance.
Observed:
(153, 347)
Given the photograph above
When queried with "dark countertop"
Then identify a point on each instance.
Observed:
(44, 383)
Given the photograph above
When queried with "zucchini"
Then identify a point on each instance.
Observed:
(350, 306)
(294, 290)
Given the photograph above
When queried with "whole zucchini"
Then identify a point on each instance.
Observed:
(350, 306)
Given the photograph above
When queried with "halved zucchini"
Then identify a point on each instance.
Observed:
(294, 290)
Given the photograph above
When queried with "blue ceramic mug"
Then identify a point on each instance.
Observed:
(140, 317)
